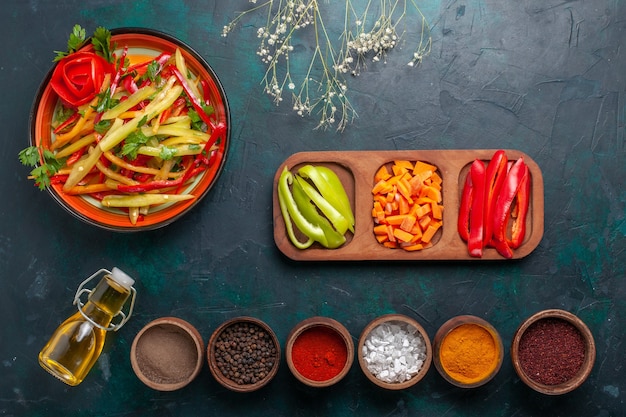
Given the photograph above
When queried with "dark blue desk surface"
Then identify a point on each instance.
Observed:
(545, 77)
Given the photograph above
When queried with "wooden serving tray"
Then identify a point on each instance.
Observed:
(356, 170)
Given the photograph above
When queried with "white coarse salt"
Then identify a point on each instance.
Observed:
(394, 351)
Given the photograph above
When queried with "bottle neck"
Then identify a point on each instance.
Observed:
(97, 315)
(105, 301)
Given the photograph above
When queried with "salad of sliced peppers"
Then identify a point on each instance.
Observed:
(494, 205)
(131, 133)
(314, 201)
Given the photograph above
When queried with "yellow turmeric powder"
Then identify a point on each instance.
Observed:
(468, 354)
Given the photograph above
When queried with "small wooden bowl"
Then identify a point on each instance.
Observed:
(212, 357)
(394, 319)
(326, 324)
(167, 354)
(584, 370)
(453, 324)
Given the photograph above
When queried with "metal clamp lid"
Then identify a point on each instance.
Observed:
(124, 316)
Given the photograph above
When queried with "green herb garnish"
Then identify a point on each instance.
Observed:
(132, 143)
(152, 72)
(167, 152)
(74, 43)
(42, 173)
(102, 126)
(101, 41)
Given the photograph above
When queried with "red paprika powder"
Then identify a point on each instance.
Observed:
(319, 353)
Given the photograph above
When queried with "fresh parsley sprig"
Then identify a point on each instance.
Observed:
(101, 41)
(134, 141)
(41, 174)
(74, 43)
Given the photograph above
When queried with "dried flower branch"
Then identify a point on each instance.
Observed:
(368, 34)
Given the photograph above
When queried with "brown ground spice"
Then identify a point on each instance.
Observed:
(551, 351)
(166, 354)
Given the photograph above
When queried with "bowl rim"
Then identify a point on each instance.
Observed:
(228, 383)
(189, 330)
(449, 326)
(404, 319)
(326, 323)
(588, 362)
(188, 205)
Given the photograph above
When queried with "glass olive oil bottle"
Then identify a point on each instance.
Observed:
(77, 343)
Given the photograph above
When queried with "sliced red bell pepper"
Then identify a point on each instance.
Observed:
(58, 179)
(217, 130)
(503, 206)
(465, 208)
(141, 67)
(201, 157)
(118, 73)
(496, 174)
(518, 229)
(477, 219)
(141, 177)
(178, 106)
(74, 117)
(165, 115)
(129, 84)
(205, 91)
(76, 156)
(149, 186)
(503, 248)
(195, 101)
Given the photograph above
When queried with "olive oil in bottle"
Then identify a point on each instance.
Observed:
(77, 343)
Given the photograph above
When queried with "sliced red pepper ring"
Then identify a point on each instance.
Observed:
(477, 219)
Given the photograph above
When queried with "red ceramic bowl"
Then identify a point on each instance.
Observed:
(143, 42)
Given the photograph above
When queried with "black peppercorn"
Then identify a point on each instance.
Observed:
(244, 353)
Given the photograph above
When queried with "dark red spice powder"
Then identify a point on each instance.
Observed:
(551, 351)
(319, 353)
